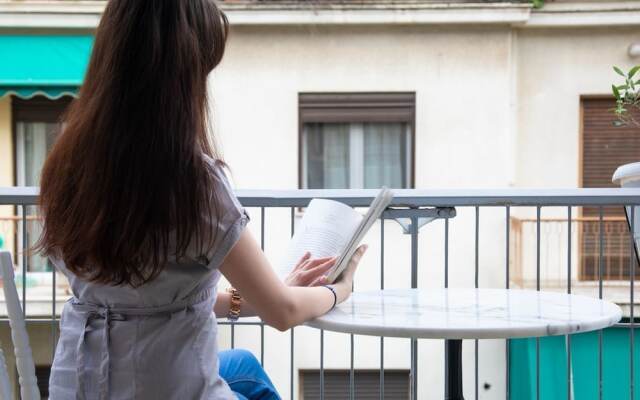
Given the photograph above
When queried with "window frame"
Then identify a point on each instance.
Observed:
(35, 109)
(357, 107)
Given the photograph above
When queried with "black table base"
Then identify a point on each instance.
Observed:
(453, 369)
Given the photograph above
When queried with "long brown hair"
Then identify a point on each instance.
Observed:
(125, 187)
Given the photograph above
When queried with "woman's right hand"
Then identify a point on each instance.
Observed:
(344, 284)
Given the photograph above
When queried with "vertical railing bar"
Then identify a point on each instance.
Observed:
(24, 260)
(506, 284)
(262, 240)
(538, 213)
(233, 331)
(321, 364)
(414, 285)
(352, 380)
(381, 288)
(569, 244)
(477, 248)
(53, 313)
(508, 236)
(262, 345)
(293, 215)
(568, 337)
(632, 278)
(262, 229)
(600, 295)
(477, 279)
(600, 251)
(446, 253)
(292, 361)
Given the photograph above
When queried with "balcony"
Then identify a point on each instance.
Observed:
(540, 239)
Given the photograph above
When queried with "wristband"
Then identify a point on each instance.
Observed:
(335, 296)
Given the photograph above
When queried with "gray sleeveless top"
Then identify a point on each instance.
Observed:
(157, 341)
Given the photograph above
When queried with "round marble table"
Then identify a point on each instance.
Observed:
(456, 314)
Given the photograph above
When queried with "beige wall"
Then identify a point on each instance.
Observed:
(6, 143)
(6, 168)
(460, 76)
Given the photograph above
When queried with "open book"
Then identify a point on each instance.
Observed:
(332, 229)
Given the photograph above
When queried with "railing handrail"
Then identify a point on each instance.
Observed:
(573, 219)
(405, 197)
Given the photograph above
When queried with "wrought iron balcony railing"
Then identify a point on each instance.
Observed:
(473, 238)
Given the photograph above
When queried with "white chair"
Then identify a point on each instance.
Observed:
(24, 358)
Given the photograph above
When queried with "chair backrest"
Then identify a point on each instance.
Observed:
(24, 358)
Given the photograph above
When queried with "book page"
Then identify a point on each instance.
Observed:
(325, 230)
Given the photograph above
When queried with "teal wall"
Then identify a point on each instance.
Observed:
(584, 365)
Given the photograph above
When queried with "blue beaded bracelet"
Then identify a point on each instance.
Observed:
(335, 296)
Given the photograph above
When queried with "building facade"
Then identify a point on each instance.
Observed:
(415, 94)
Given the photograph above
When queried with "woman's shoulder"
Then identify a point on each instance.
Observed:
(218, 170)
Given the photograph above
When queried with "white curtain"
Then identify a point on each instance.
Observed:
(385, 155)
(34, 141)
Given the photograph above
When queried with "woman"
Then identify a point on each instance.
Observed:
(141, 219)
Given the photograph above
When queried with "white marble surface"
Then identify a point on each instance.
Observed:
(467, 314)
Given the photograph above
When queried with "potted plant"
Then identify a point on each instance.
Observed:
(627, 97)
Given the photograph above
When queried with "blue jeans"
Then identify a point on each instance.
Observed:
(245, 376)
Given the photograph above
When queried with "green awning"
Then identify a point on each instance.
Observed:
(50, 65)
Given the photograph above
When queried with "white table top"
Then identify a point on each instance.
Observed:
(467, 314)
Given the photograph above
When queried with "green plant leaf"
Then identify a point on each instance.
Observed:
(619, 72)
(537, 3)
(633, 71)
(616, 92)
(622, 87)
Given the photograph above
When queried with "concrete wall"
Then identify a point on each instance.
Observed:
(6, 169)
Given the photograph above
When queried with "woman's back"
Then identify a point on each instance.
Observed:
(123, 342)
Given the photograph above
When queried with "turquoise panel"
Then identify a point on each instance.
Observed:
(584, 363)
(553, 368)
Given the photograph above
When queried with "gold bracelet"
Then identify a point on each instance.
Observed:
(236, 304)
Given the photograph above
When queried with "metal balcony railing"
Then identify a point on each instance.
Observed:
(498, 238)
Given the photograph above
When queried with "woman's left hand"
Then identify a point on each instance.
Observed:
(310, 271)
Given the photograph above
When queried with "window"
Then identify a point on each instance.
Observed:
(356, 140)
(366, 384)
(35, 127)
(604, 148)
